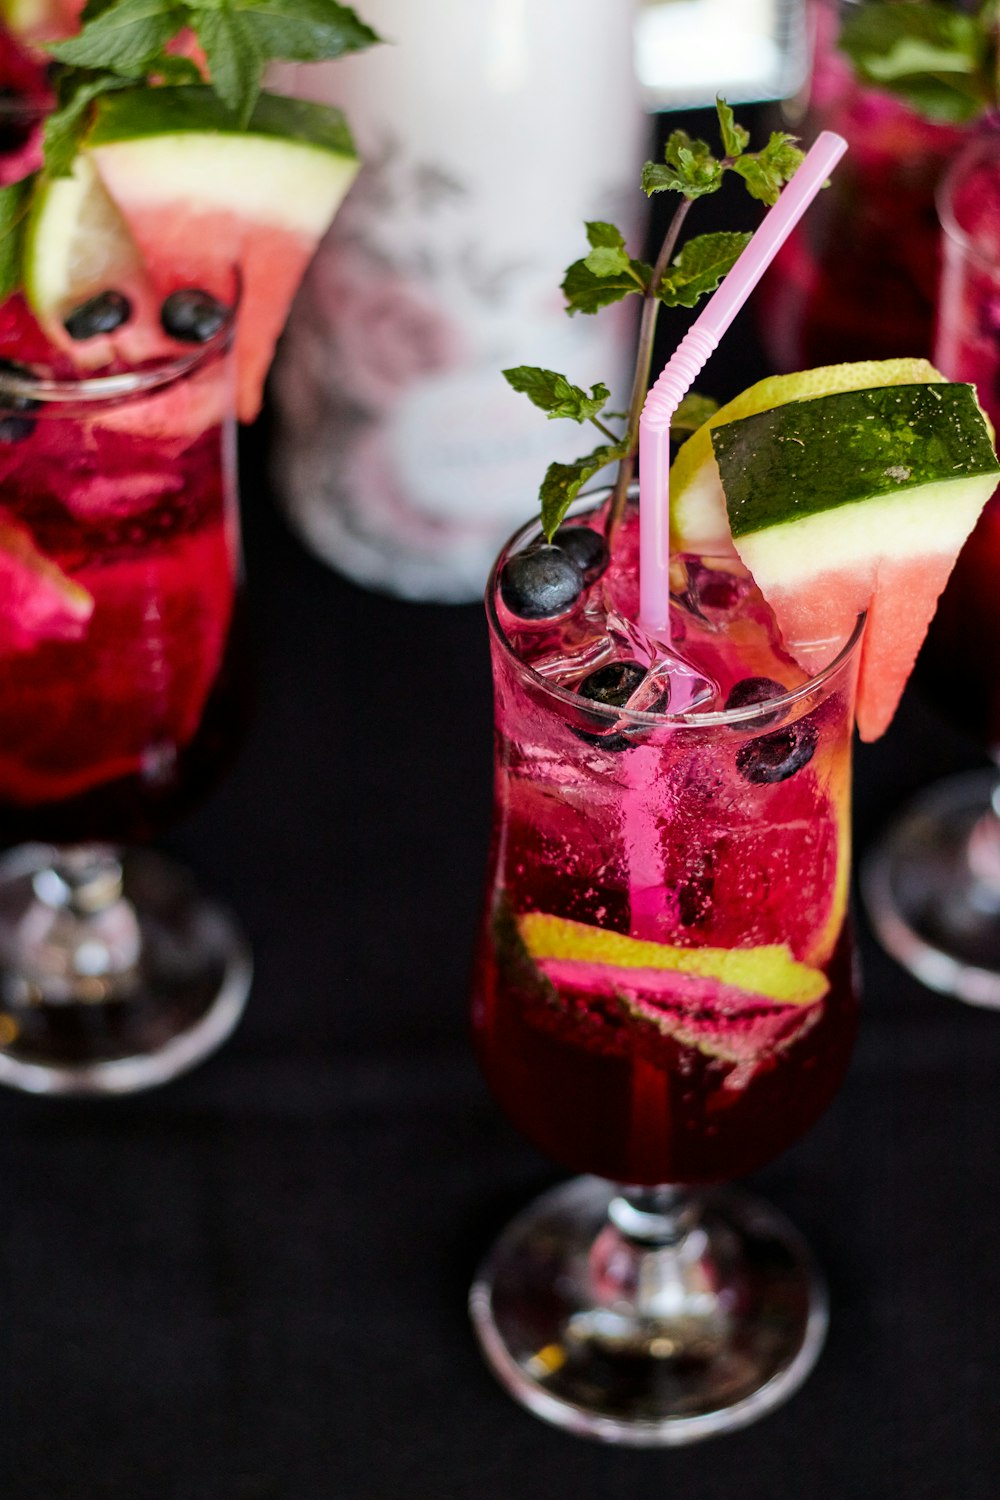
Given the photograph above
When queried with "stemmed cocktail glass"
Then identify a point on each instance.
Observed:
(119, 694)
(664, 995)
(933, 885)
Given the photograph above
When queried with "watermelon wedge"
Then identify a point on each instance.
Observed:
(859, 500)
(739, 1005)
(200, 203)
(698, 520)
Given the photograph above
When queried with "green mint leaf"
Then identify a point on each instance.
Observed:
(688, 167)
(734, 138)
(693, 412)
(587, 292)
(93, 8)
(700, 267)
(123, 38)
(300, 30)
(604, 236)
(607, 262)
(766, 172)
(68, 123)
(234, 57)
(563, 482)
(935, 57)
(14, 203)
(170, 68)
(554, 394)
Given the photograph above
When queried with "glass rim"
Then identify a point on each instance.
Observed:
(25, 384)
(770, 709)
(986, 142)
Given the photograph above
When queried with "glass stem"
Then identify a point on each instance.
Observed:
(651, 1216)
(984, 846)
(79, 941)
(653, 1279)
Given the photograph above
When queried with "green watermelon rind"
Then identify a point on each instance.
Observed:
(868, 447)
(136, 114)
(698, 521)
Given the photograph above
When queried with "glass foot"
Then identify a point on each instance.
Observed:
(114, 976)
(932, 889)
(649, 1341)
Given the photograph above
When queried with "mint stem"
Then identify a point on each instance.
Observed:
(612, 437)
(644, 356)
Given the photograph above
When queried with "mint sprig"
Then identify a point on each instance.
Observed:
(607, 274)
(127, 42)
(939, 60)
(15, 201)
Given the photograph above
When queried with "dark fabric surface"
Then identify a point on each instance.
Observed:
(250, 1285)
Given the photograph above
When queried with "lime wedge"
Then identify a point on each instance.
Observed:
(698, 520)
(77, 244)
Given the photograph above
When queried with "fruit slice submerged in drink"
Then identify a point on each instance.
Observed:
(40, 601)
(736, 1004)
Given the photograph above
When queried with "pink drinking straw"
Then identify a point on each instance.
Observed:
(675, 380)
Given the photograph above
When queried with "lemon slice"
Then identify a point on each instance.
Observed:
(698, 518)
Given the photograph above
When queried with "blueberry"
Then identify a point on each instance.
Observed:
(18, 120)
(750, 690)
(586, 547)
(15, 424)
(540, 583)
(613, 685)
(192, 316)
(16, 429)
(775, 757)
(100, 314)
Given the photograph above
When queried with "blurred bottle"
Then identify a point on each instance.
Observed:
(489, 132)
(858, 279)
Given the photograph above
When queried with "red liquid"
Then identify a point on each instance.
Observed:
(606, 1062)
(111, 723)
(642, 1108)
(959, 667)
(858, 278)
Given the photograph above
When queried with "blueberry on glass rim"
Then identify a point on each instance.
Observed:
(612, 685)
(540, 583)
(586, 547)
(777, 756)
(102, 313)
(192, 316)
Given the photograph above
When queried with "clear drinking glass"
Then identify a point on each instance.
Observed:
(933, 885)
(120, 690)
(664, 999)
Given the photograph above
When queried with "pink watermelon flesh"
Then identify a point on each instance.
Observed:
(183, 247)
(39, 601)
(900, 595)
(718, 1019)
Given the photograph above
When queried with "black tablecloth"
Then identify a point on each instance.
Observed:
(250, 1284)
